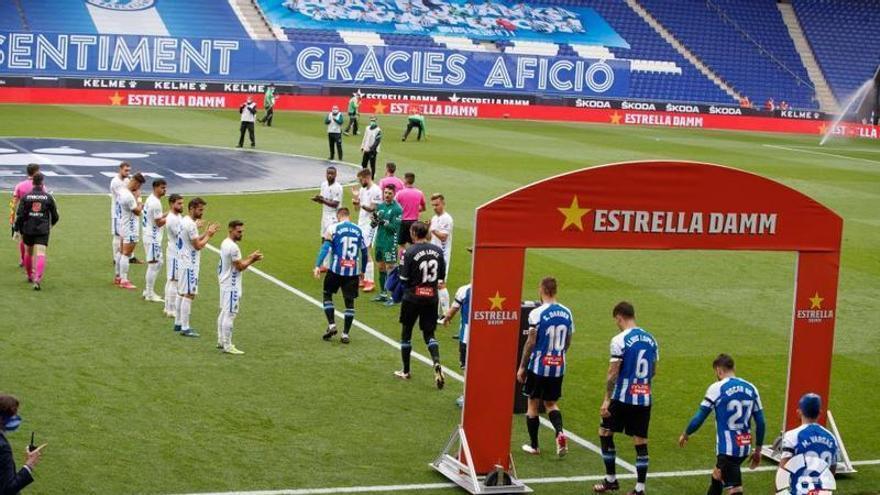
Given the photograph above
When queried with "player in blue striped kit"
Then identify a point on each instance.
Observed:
(543, 364)
(627, 404)
(809, 452)
(345, 241)
(736, 403)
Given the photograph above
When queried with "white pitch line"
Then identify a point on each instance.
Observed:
(393, 343)
(528, 481)
(825, 153)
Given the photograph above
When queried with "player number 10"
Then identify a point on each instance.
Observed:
(557, 335)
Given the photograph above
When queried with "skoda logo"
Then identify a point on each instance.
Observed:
(122, 4)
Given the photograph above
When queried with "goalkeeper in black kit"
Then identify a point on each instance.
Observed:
(424, 267)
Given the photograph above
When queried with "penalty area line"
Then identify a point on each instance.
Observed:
(528, 481)
(420, 357)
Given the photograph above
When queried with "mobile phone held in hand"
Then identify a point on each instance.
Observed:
(32, 446)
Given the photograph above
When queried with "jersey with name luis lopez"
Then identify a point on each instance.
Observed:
(553, 324)
(347, 241)
(735, 401)
(638, 354)
(424, 267)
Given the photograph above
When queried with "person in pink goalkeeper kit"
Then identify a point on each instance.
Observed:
(391, 179)
(21, 190)
(412, 200)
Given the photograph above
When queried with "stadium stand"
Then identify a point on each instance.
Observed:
(198, 18)
(709, 29)
(9, 16)
(845, 38)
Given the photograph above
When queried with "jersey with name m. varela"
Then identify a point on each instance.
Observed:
(638, 354)
(553, 323)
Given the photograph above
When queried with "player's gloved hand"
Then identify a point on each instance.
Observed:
(756, 458)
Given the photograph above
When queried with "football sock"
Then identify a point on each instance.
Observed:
(349, 315)
(641, 466)
(227, 321)
(715, 487)
(116, 257)
(444, 300)
(405, 351)
(152, 273)
(21, 251)
(29, 265)
(608, 456)
(462, 353)
(170, 295)
(123, 267)
(382, 278)
(177, 313)
(368, 273)
(220, 339)
(434, 349)
(40, 267)
(532, 424)
(116, 245)
(329, 312)
(555, 417)
(185, 309)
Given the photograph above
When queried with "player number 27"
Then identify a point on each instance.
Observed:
(556, 334)
(741, 413)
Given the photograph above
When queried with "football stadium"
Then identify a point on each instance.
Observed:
(429, 247)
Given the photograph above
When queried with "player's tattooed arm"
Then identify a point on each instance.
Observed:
(527, 352)
(611, 381)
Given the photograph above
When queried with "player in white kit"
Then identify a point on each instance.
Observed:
(189, 246)
(230, 274)
(172, 269)
(153, 220)
(330, 200)
(130, 208)
(367, 197)
(441, 236)
(117, 183)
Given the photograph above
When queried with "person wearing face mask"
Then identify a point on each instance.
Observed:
(12, 482)
(370, 146)
(333, 121)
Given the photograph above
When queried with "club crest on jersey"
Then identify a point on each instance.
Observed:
(496, 314)
(124, 5)
(815, 313)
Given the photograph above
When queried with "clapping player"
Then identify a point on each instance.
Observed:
(172, 269)
(230, 274)
(189, 246)
(736, 404)
(129, 207)
(153, 221)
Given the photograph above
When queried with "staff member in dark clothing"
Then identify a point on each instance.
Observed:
(37, 214)
(424, 267)
(12, 482)
(248, 111)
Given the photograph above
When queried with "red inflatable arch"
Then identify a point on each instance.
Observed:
(666, 205)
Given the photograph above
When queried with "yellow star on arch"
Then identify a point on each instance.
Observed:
(615, 118)
(379, 107)
(573, 214)
(116, 99)
(497, 302)
(816, 301)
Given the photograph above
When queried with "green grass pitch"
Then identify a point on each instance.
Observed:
(128, 407)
